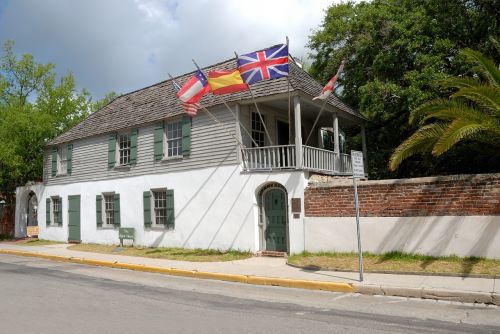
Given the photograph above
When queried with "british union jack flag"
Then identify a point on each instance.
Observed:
(271, 63)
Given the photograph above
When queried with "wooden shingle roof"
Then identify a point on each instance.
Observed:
(158, 102)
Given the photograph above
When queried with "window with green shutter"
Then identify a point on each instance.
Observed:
(146, 196)
(98, 210)
(170, 209)
(69, 159)
(158, 141)
(54, 161)
(116, 209)
(108, 210)
(159, 208)
(56, 218)
(111, 151)
(47, 212)
(133, 147)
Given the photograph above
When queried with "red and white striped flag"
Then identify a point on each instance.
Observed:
(190, 108)
(328, 89)
(192, 92)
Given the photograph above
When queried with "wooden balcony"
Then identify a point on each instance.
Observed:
(284, 157)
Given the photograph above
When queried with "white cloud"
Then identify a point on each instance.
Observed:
(125, 45)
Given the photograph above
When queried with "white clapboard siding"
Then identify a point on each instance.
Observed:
(211, 146)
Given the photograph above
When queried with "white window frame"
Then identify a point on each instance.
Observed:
(178, 139)
(154, 193)
(261, 132)
(104, 210)
(119, 150)
(53, 215)
(62, 160)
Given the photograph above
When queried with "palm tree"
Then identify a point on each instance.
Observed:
(471, 113)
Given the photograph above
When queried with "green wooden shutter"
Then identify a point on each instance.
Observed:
(60, 212)
(54, 161)
(158, 141)
(170, 209)
(133, 146)
(69, 157)
(111, 151)
(116, 209)
(186, 135)
(147, 208)
(47, 211)
(98, 210)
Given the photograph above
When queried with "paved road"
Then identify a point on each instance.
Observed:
(38, 296)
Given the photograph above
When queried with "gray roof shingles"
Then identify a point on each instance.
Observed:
(159, 101)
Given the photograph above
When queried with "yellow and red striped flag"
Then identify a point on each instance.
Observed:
(226, 82)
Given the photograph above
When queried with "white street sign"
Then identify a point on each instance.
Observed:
(358, 169)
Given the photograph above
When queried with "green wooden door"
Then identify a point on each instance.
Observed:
(275, 215)
(74, 218)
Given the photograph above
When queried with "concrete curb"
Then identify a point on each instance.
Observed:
(248, 279)
(425, 293)
(428, 293)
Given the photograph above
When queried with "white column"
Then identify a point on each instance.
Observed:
(298, 132)
(363, 144)
(336, 146)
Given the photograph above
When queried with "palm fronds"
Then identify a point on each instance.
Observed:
(470, 113)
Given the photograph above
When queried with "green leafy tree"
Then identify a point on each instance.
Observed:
(35, 107)
(396, 51)
(470, 114)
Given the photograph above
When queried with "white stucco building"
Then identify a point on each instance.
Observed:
(139, 162)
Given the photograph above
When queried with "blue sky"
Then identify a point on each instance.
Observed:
(123, 45)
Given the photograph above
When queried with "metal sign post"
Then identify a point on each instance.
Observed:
(358, 171)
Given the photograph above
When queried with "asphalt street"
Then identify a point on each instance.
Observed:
(38, 296)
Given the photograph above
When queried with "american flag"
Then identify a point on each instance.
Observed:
(271, 63)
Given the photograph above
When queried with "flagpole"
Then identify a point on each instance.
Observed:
(289, 98)
(227, 106)
(258, 110)
(236, 118)
(325, 98)
(316, 121)
(212, 117)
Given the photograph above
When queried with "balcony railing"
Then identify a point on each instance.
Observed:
(284, 157)
(269, 157)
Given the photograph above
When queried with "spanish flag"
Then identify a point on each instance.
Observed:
(226, 82)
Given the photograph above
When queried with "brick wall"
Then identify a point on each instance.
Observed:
(460, 195)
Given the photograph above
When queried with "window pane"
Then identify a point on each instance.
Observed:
(258, 129)
(109, 206)
(160, 207)
(174, 139)
(56, 208)
(124, 148)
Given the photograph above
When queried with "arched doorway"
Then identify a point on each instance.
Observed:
(274, 218)
(32, 215)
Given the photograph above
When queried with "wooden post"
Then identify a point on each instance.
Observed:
(336, 146)
(298, 132)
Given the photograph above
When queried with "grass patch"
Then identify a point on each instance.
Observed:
(397, 262)
(181, 254)
(38, 242)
